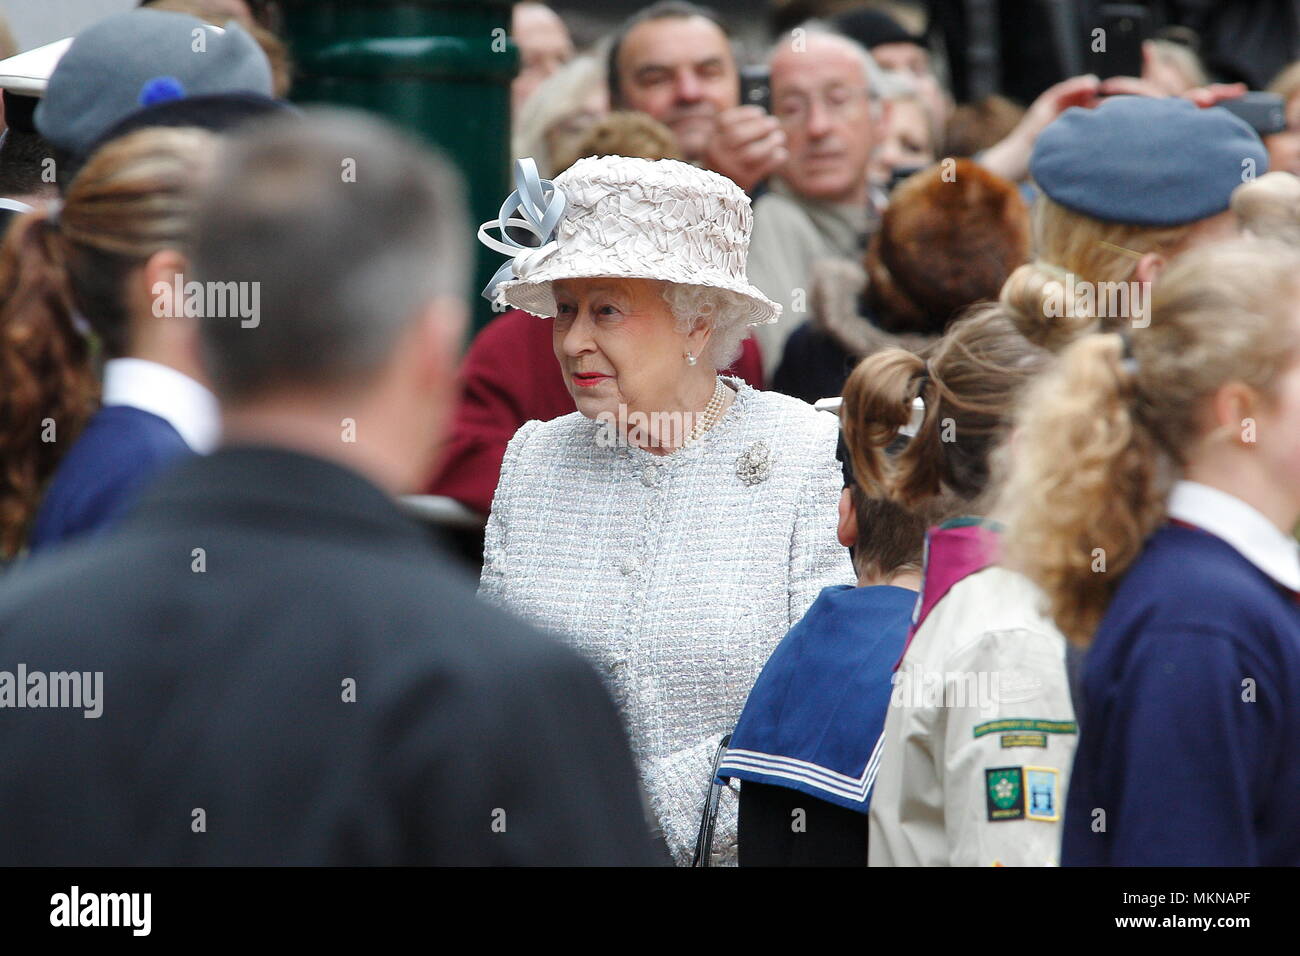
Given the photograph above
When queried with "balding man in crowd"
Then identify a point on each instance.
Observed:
(674, 61)
(544, 46)
(826, 96)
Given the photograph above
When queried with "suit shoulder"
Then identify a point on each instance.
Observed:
(484, 646)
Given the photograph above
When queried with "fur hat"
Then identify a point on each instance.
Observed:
(949, 238)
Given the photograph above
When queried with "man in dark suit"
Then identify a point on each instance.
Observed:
(278, 667)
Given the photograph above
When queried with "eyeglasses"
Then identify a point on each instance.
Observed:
(839, 102)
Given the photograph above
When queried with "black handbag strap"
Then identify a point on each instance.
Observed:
(709, 818)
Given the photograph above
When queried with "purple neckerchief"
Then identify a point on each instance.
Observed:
(953, 551)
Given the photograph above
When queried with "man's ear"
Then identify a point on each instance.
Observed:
(847, 529)
(880, 115)
(439, 332)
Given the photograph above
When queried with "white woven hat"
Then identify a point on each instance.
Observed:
(29, 73)
(627, 218)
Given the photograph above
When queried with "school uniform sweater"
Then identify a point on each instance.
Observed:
(153, 417)
(120, 452)
(1190, 727)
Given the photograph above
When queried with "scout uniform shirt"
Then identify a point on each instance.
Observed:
(980, 732)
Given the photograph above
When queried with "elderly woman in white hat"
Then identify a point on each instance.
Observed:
(678, 523)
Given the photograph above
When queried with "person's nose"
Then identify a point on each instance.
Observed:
(819, 121)
(688, 87)
(577, 338)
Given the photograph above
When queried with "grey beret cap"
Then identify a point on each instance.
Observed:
(1146, 161)
(110, 63)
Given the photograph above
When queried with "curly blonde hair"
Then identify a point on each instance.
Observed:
(622, 133)
(1103, 436)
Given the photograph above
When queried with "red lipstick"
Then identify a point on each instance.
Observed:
(589, 379)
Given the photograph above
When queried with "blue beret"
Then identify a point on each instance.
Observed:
(1146, 161)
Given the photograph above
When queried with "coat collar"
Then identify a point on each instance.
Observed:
(837, 287)
(845, 225)
(1245, 529)
(954, 551)
(171, 395)
(271, 487)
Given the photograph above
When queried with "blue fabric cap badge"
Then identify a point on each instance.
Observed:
(161, 89)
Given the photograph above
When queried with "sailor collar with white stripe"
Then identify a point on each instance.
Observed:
(171, 395)
(1228, 517)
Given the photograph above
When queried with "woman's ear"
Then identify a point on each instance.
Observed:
(1233, 408)
(1149, 267)
(697, 340)
(163, 284)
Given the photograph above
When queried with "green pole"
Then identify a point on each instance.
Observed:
(439, 68)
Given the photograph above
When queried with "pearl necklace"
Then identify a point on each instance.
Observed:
(712, 412)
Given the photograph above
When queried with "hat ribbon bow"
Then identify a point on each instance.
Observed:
(542, 204)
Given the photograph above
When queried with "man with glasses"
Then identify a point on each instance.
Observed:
(826, 96)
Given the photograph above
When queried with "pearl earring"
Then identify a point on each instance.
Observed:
(690, 359)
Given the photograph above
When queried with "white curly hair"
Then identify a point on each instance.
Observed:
(726, 312)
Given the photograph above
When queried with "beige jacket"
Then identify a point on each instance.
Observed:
(790, 235)
(980, 735)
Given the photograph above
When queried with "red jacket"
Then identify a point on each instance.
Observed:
(510, 376)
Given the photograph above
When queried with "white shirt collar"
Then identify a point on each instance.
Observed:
(1246, 529)
(171, 395)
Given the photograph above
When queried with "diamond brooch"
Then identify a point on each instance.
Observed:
(755, 464)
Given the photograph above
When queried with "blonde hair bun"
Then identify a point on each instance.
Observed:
(1269, 207)
(1037, 299)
